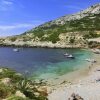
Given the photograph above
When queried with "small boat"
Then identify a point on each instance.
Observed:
(68, 55)
(91, 60)
(16, 50)
(97, 51)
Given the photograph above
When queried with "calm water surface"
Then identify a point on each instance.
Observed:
(38, 61)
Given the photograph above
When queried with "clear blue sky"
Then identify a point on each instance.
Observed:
(17, 16)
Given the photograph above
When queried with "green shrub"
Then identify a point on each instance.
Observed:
(72, 40)
(8, 73)
(13, 39)
(17, 98)
(27, 87)
(6, 91)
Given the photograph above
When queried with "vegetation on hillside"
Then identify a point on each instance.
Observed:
(13, 86)
(89, 24)
(69, 30)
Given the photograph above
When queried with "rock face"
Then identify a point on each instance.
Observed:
(1, 70)
(18, 93)
(95, 9)
(75, 97)
(6, 81)
(67, 31)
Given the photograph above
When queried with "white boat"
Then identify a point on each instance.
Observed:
(91, 60)
(97, 51)
(68, 55)
(16, 50)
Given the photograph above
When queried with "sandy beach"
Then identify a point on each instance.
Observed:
(85, 83)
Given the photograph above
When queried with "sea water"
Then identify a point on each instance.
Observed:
(44, 62)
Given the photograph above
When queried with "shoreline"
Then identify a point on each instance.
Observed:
(53, 47)
(70, 77)
(85, 85)
(41, 44)
(83, 82)
(19, 46)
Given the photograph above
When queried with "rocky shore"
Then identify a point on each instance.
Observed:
(91, 43)
(44, 44)
(85, 85)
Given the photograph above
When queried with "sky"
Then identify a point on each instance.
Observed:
(18, 16)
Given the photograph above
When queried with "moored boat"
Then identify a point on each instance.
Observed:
(97, 51)
(68, 55)
(91, 60)
(16, 50)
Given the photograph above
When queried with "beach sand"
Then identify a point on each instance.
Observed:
(86, 83)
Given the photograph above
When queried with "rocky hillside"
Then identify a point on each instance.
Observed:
(67, 31)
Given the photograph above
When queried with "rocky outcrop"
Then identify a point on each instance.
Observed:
(75, 97)
(20, 94)
(6, 81)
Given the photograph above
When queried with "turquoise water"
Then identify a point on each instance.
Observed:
(42, 61)
(66, 65)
